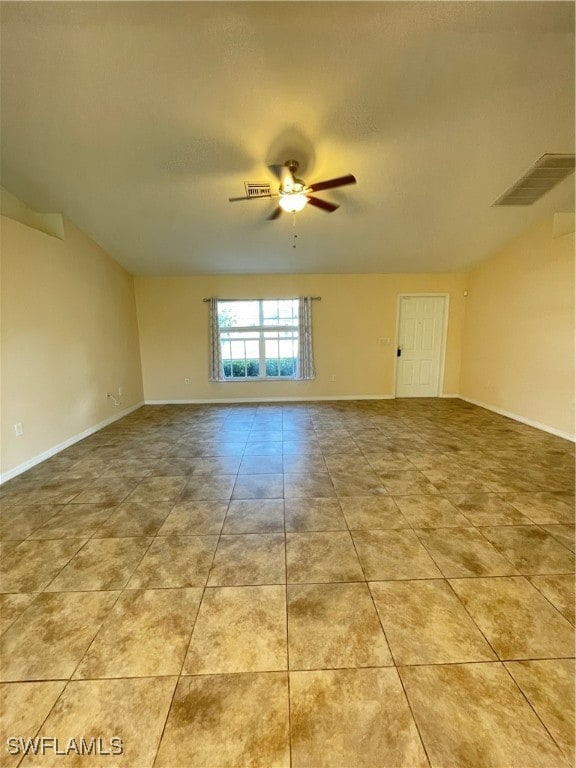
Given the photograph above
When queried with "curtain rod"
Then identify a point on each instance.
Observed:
(314, 298)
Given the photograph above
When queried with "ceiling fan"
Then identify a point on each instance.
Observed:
(293, 194)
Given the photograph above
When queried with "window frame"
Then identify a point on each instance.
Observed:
(261, 329)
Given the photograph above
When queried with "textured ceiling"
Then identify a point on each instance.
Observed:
(139, 120)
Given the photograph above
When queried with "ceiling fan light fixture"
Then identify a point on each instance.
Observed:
(292, 202)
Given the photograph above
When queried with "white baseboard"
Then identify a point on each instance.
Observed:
(230, 400)
(522, 419)
(66, 444)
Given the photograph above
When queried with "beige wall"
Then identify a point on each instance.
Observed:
(69, 335)
(355, 311)
(518, 352)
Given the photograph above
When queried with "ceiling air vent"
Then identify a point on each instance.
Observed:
(257, 190)
(546, 172)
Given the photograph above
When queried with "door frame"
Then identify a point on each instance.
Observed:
(443, 340)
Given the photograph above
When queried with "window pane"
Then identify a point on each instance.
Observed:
(236, 314)
(271, 367)
(280, 312)
(271, 348)
(270, 312)
(286, 348)
(287, 366)
(237, 349)
(288, 311)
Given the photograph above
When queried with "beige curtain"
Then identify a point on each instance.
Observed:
(305, 349)
(216, 367)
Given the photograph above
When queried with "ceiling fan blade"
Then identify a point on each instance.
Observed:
(250, 197)
(275, 213)
(276, 170)
(341, 181)
(324, 204)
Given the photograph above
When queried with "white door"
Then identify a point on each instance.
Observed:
(420, 346)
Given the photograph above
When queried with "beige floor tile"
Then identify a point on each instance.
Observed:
(445, 632)
(407, 483)
(559, 589)
(175, 561)
(516, 619)
(18, 522)
(488, 509)
(398, 554)
(311, 485)
(308, 447)
(464, 552)
(50, 637)
(29, 566)
(261, 465)
(366, 483)
(549, 686)
(531, 549)
(133, 710)
(134, 519)
(158, 489)
(52, 491)
(389, 462)
(336, 443)
(11, 606)
(294, 464)
(193, 518)
(130, 468)
(219, 721)
(334, 625)
(74, 521)
(23, 709)
(239, 629)
(263, 448)
(217, 465)
(255, 516)
(544, 508)
(263, 486)
(146, 634)
(430, 512)
(472, 715)
(353, 463)
(309, 514)
(322, 557)
(372, 512)
(352, 717)
(565, 534)
(208, 487)
(101, 564)
(249, 559)
(106, 490)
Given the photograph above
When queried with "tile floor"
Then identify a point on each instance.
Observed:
(339, 584)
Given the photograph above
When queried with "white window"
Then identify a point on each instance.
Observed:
(259, 338)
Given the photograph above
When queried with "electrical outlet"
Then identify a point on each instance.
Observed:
(383, 340)
(186, 381)
(333, 377)
(18, 429)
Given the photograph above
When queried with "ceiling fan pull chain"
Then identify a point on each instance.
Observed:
(294, 235)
